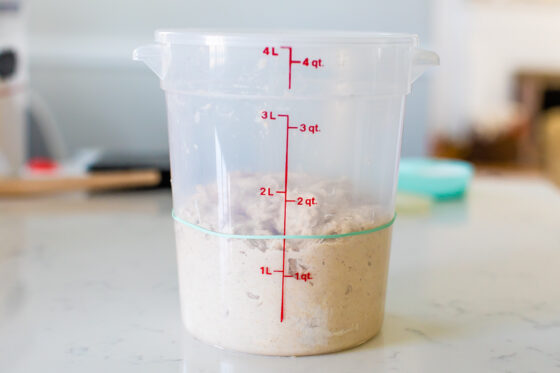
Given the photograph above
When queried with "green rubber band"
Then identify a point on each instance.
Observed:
(281, 236)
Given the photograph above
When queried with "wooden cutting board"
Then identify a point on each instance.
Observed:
(14, 187)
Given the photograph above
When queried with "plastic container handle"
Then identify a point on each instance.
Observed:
(422, 60)
(155, 56)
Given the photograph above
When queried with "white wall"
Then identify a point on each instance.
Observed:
(80, 55)
(506, 38)
(451, 29)
(483, 44)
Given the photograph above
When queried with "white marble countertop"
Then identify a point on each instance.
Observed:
(88, 284)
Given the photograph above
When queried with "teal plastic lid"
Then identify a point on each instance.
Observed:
(438, 178)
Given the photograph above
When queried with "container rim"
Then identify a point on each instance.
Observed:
(255, 36)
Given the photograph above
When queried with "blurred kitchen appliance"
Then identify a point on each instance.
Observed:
(13, 78)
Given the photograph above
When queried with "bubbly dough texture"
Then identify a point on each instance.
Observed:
(226, 299)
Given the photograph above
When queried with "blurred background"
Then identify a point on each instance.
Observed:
(68, 82)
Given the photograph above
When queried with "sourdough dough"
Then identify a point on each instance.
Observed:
(226, 299)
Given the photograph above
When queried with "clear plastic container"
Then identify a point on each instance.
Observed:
(284, 154)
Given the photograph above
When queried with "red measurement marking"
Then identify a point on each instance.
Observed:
(285, 201)
(303, 276)
(268, 115)
(266, 192)
(268, 51)
(290, 67)
(316, 63)
(306, 201)
(313, 128)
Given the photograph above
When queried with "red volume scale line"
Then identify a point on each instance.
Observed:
(285, 203)
(292, 61)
